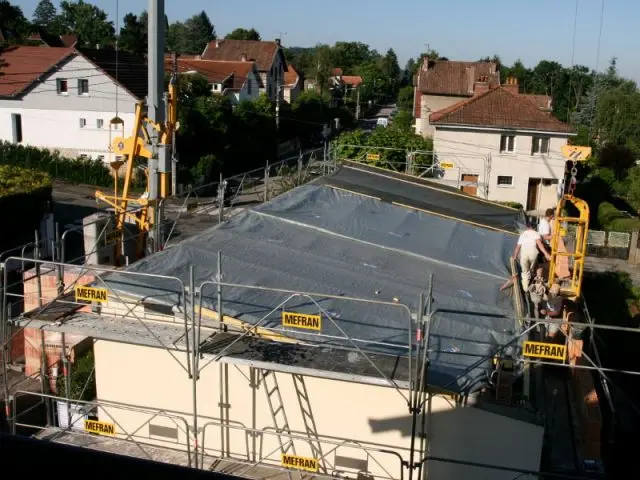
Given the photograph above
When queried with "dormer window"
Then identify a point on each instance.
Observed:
(62, 86)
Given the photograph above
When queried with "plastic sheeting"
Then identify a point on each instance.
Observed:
(319, 239)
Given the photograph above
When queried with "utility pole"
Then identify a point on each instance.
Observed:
(158, 163)
(358, 103)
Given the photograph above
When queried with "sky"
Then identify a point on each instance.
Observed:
(530, 30)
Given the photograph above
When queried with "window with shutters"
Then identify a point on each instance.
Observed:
(540, 145)
(83, 86)
(507, 143)
(62, 86)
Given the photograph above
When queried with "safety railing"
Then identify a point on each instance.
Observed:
(108, 420)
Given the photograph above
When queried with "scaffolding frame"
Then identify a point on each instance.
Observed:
(189, 296)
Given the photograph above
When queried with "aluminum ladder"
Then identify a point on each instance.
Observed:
(307, 418)
(276, 406)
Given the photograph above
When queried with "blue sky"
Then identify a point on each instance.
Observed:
(459, 29)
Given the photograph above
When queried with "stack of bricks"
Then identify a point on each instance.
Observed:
(588, 411)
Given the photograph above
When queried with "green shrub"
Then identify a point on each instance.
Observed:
(82, 381)
(624, 225)
(515, 205)
(78, 170)
(16, 180)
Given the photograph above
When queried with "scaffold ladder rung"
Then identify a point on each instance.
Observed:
(276, 405)
(307, 418)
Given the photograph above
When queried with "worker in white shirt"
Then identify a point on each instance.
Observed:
(526, 251)
(544, 226)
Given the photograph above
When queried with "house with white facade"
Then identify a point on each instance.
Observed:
(502, 146)
(238, 81)
(65, 99)
(268, 56)
(442, 83)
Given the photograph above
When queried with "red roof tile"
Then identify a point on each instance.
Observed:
(543, 102)
(235, 73)
(443, 77)
(499, 108)
(352, 80)
(22, 66)
(291, 76)
(262, 53)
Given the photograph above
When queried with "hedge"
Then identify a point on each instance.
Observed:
(610, 218)
(92, 172)
(16, 180)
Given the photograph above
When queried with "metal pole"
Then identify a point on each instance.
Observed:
(266, 182)
(195, 350)
(155, 108)
(36, 256)
(44, 377)
(57, 251)
(221, 187)
(277, 123)
(221, 326)
(358, 103)
(67, 379)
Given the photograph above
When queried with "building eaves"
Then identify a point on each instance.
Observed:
(499, 108)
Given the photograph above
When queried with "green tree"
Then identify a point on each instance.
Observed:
(348, 55)
(390, 71)
(244, 34)
(88, 22)
(44, 16)
(13, 24)
(176, 34)
(405, 98)
(133, 35)
(321, 67)
(198, 32)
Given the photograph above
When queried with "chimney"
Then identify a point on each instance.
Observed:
(277, 41)
(511, 85)
(481, 85)
(243, 57)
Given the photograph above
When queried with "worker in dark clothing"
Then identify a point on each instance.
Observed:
(553, 308)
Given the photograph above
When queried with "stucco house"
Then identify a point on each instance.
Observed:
(293, 84)
(237, 81)
(503, 146)
(65, 98)
(268, 56)
(442, 83)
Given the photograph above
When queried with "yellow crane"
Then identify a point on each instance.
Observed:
(138, 145)
(571, 287)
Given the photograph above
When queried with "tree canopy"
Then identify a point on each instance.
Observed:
(87, 22)
(244, 34)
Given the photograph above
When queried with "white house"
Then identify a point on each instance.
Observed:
(269, 58)
(237, 81)
(65, 98)
(502, 146)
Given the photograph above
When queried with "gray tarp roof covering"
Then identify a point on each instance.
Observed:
(319, 239)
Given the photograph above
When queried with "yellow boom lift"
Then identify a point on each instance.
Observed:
(140, 209)
(571, 287)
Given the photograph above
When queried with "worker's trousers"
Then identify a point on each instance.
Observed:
(527, 264)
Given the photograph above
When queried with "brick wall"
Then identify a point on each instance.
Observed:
(49, 284)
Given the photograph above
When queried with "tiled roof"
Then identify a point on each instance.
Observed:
(21, 67)
(291, 76)
(132, 70)
(352, 80)
(499, 108)
(543, 102)
(443, 77)
(53, 40)
(69, 40)
(262, 53)
(215, 71)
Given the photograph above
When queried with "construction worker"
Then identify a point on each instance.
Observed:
(526, 251)
(544, 226)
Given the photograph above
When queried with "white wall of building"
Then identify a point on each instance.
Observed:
(364, 413)
(477, 152)
(430, 104)
(53, 120)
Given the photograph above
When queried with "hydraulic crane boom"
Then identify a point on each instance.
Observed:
(138, 145)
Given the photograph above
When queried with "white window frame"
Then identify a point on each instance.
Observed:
(538, 141)
(507, 136)
(83, 122)
(99, 123)
(81, 81)
(504, 185)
